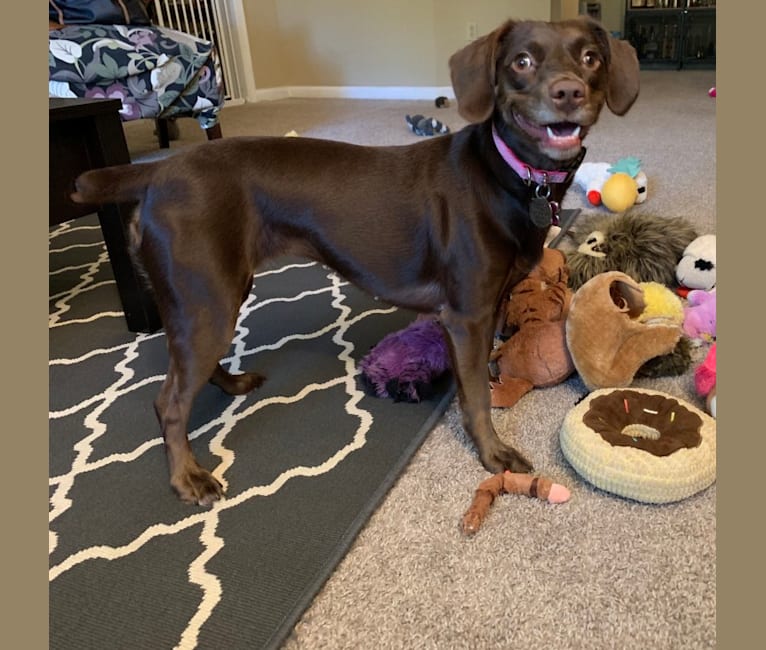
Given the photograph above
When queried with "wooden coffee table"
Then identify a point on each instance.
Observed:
(87, 134)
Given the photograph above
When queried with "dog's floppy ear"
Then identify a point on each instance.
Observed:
(473, 71)
(622, 68)
(623, 76)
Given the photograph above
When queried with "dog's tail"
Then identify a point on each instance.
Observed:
(118, 184)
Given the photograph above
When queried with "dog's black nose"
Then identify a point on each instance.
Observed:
(567, 94)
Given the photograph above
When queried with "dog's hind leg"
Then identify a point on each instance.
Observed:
(198, 337)
(241, 383)
(191, 482)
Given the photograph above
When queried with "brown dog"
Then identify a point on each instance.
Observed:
(443, 225)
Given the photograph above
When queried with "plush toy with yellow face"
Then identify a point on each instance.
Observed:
(617, 187)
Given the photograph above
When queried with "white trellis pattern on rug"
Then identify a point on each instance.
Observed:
(70, 311)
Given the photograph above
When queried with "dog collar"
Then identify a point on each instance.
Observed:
(541, 177)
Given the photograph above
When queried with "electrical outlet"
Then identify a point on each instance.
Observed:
(472, 31)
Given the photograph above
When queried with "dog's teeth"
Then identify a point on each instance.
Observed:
(574, 134)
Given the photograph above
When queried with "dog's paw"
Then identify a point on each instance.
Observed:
(197, 486)
(236, 384)
(502, 457)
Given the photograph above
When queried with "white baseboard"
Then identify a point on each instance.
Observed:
(353, 92)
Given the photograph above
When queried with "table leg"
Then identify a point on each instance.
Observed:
(137, 301)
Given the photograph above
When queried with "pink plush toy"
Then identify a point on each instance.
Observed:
(705, 380)
(700, 315)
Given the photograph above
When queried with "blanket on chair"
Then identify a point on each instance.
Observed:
(156, 72)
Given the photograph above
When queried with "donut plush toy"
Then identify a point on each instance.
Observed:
(641, 444)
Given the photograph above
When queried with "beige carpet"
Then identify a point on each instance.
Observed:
(597, 572)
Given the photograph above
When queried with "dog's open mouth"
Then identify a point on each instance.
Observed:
(557, 135)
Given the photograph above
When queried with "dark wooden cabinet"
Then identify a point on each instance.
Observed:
(672, 34)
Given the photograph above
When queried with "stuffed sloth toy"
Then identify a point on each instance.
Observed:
(646, 247)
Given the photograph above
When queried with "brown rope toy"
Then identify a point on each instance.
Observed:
(512, 483)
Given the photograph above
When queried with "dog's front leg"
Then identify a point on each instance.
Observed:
(470, 345)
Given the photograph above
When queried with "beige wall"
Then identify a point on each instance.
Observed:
(451, 18)
(613, 15)
(564, 9)
(612, 11)
(368, 42)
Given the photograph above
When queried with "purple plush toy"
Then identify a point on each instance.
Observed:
(406, 364)
(700, 315)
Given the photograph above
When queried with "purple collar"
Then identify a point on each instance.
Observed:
(528, 174)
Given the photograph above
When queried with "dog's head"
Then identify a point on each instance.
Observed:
(547, 81)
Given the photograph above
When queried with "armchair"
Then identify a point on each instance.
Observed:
(156, 72)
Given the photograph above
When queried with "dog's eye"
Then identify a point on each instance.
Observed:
(590, 59)
(522, 62)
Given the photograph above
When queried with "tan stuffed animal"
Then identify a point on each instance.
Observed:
(536, 353)
(606, 336)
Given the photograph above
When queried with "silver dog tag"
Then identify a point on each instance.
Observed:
(540, 212)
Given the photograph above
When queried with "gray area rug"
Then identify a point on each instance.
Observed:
(306, 459)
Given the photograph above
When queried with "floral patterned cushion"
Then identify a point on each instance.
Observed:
(156, 72)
